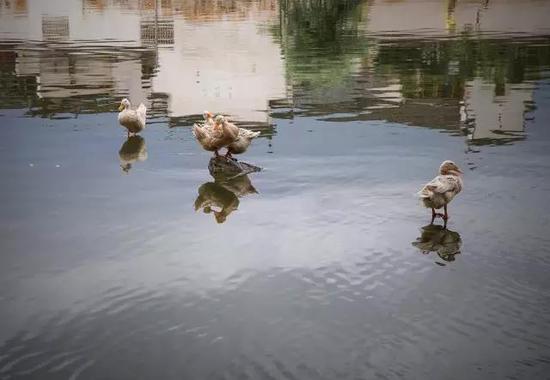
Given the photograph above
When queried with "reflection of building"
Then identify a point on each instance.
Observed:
(495, 117)
(402, 16)
(111, 48)
(523, 16)
(184, 56)
(62, 74)
(436, 17)
(414, 74)
(55, 28)
(209, 10)
(222, 66)
(98, 58)
(157, 31)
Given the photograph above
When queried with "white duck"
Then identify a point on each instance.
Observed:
(442, 189)
(243, 141)
(132, 120)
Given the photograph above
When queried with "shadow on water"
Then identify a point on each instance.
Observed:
(132, 150)
(231, 182)
(444, 242)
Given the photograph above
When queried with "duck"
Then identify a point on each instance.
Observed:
(218, 136)
(133, 149)
(441, 190)
(244, 139)
(132, 120)
(228, 128)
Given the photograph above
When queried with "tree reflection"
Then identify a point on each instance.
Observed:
(320, 40)
(335, 65)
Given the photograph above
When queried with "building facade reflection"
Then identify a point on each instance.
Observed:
(424, 63)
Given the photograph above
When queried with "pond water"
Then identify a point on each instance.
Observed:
(124, 258)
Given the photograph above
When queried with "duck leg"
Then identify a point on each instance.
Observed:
(436, 214)
(446, 216)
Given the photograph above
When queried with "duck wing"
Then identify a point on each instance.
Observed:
(441, 184)
(141, 113)
(199, 131)
(248, 134)
(128, 118)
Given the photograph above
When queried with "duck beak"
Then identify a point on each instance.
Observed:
(120, 107)
(460, 171)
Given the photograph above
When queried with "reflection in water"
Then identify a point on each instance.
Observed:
(369, 65)
(318, 285)
(133, 149)
(438, 239)
(496, 115)
(212, 194)
(341, 60)
(222, 196)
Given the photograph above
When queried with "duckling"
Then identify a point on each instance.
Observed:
(441, 190)
(132, 120)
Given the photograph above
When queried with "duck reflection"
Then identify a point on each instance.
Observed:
(221, 197)
(438, 239)
(133, 149)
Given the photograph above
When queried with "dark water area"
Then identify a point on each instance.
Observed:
(124, 258)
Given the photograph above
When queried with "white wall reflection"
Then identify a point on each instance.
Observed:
(493, 116)
(181, 57)
(435, 17)
(223, 66)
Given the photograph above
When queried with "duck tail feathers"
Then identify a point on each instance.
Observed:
(142, 112)
(142, 109)
(424, 193)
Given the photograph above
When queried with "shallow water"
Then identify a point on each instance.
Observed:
(126, 259)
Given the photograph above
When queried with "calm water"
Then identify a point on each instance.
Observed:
(126, 259)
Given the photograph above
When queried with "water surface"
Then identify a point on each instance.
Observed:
(124, 258)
